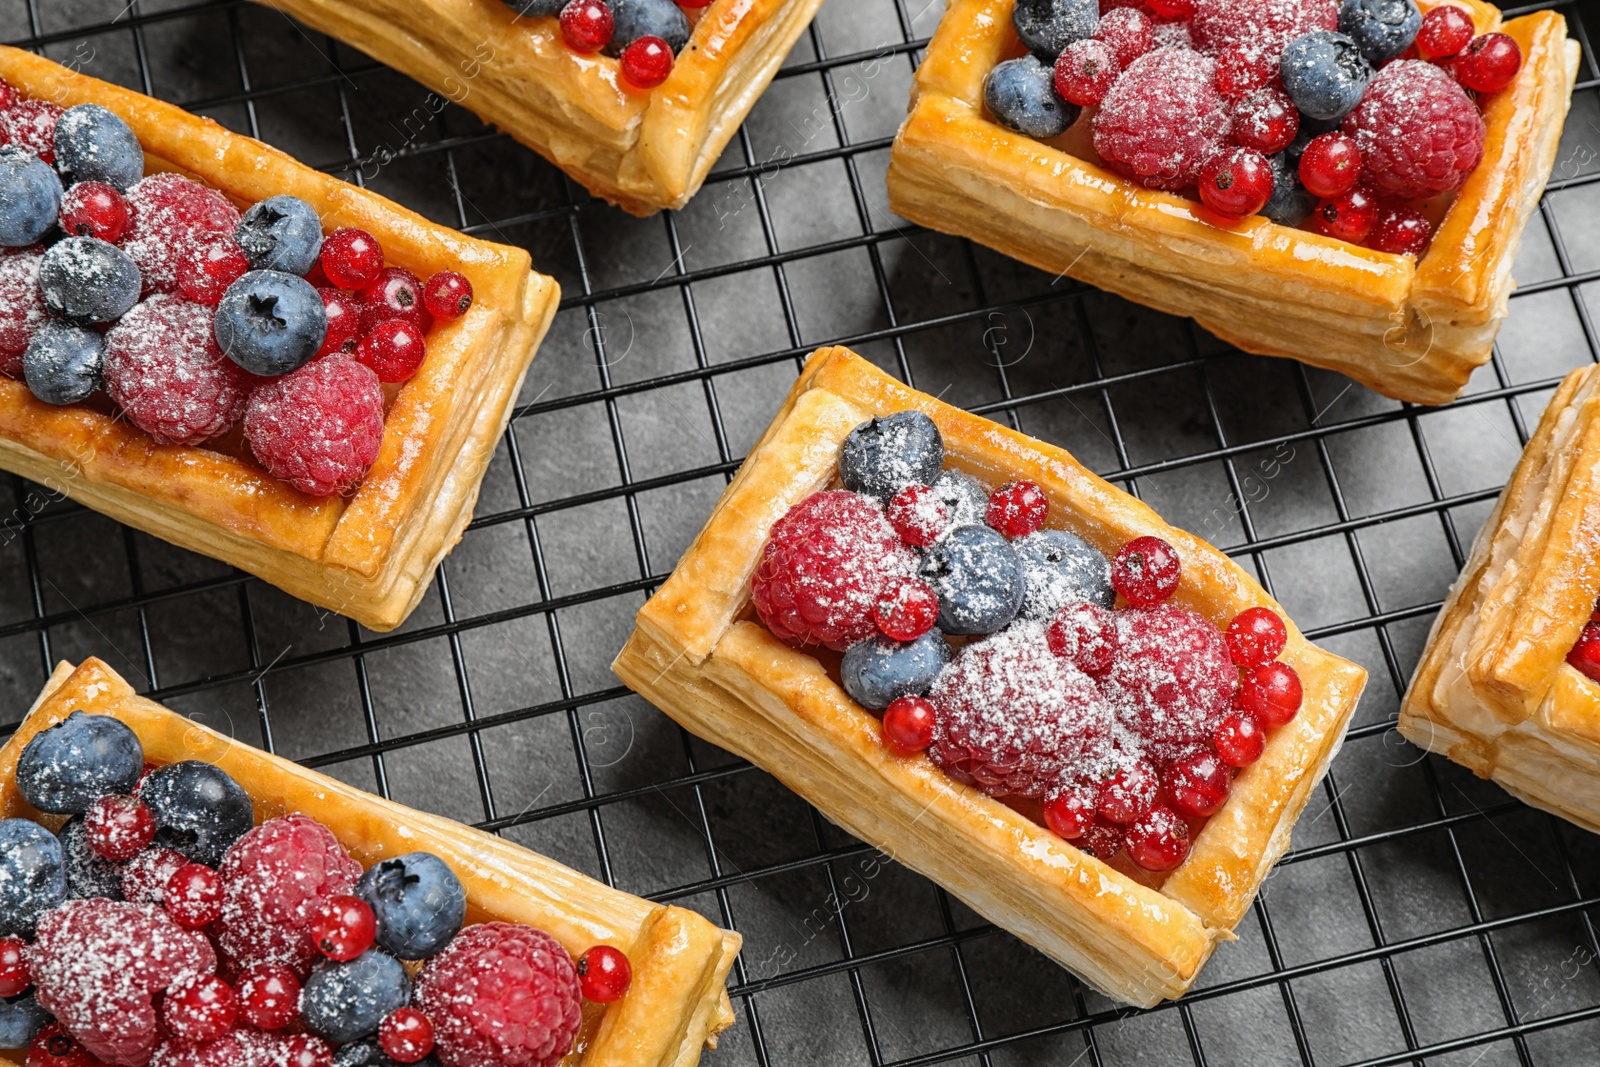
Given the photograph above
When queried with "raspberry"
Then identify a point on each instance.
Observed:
(31, 124)
(229, 1050)
(825, 565)
(1418, 131)
(274, 880)
(1085, 635)
(145, 877)
(98, 966)
(501, 996)
(21, 307)
(319, 428)
(162, 364)
(1172, 681)
(1014, 718)
(1248, 36)
(169, 211)
(1162, 119)
(52, 1046)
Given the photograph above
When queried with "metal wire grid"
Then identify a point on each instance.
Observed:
(1270, 999)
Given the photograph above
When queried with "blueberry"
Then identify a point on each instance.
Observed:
(1021, 95)
(270, 323)
(88, 873)
(369, 1053)
(647, 18)
(964, 496)
(62, 362)
(1059, 568)
(94, 145)
(1290, 202)
(1048, 26)
(33, 876)
(86, 279)
(978, 577)
(535, 8)
(1382, 29)
(281, 233)
(70, 765)
(20, 1018)
(419, 902)
(344, 1002)
(200, 810)
(30, 197)
(881, 456)
(877, 671)
(1324, 74)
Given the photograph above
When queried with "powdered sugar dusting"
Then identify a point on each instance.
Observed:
(167, 211)
(163, 366)
(1162, 119)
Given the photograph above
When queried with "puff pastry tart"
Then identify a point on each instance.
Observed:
(1103, 783)
(1505, 687)
(267, 914)
(641, 149)
(1209, 207)
(279, 390)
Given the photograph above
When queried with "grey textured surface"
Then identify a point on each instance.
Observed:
(1419, 908)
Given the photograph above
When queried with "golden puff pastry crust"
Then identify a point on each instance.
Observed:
(1493, 690)
(643, 151)
(371, 555)
(678, 1001)
(1411, 330)
(697, 655)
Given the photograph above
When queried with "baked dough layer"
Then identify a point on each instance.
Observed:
(1493, 690)
(678, 1002)
(643, 151)
(1412, 331)
(369, 556)
(695, 654)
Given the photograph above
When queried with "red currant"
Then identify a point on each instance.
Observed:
(918, 515)
(194, 895)
(908, 724)
(394, 349)
(1017, 509)
(1488, 64)
(907, 609)
(351, 258)
(1585, 655)
(344, 321)
(646, 62)
(1272, 693)
(94, 209)
(1069, 812)
(1159, 841)
(1197, 785)
(1445, 31)
(269, 996)
(1236, 182)
(1239, 739)
(1237, 76)
(118, 828)
(1128, 31)
(13, 966)
(586, 25)
(1350, 217)
(1085, 70)
(1103, 839)
(1129, 792)
(447, 295)
(406, 1035)
(344, 927)
(201, 1009)
(1330, 165)
(214, 262)
(604, 974)
(397, 294)
(1255, 636)
(1402, 230)
(1146, 571)
(1173, 9)
(304, 1050)
(52, 1046)
(1086, 635)
(1265, 120)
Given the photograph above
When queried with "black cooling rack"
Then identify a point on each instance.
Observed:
(1421, 916)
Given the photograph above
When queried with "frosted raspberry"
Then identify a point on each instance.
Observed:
(501, 996)
(31, 124)
(169, 211)
(21, 307)
(1249, 35)
(1418, 131)
(98, 965)
(824, 567)
(145, 877)
(274, 879)
(1162, 119)
(1171, 681)
(1014, 718)
(226, 1051)
(163, 366)
(319, 428)
(1171, 33)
